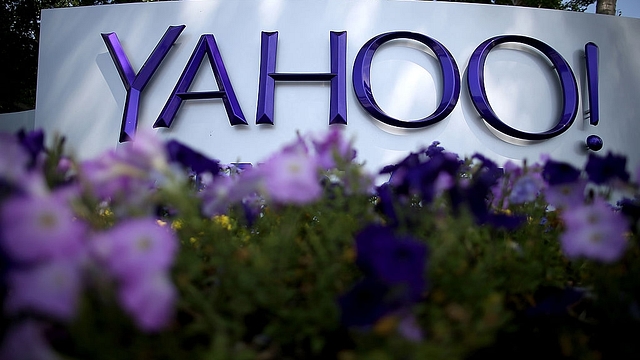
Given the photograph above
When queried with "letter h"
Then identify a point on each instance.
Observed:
(337, 77)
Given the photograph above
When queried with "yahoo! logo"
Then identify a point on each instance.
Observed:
(451, 83)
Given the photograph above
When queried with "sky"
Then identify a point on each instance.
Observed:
(628, 8)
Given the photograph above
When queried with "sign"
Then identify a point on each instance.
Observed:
(237, 79)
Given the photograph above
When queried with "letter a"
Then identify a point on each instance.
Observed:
(207, 45)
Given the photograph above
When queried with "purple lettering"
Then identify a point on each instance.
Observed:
(362, 79)
(475, 81)
(135, 83)
(207, 45)
(269, 76)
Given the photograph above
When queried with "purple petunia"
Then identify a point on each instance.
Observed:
(49, 288)
(566, 195)
(559, 173)
(365, 303)
(26, 341)
(331, 147)
(150, 300)
(594, 231)
(138, 253)
(604, 169)
(290, 177)
(130, 172)
(525, 189)
(397, 261)
(38, 228)
(14, 159)
(136, 248)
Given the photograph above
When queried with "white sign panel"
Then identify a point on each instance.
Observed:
(243, 76)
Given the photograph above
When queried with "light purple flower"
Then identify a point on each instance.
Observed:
(150, 300)
(332, 146)
(594, 231)
(566, 195)
(14, 159)
(130, 171)
(136, 248)
(41, 227)
(50, 288)
(290, 177)
(525, 189)
(26, 341)
(410, 329)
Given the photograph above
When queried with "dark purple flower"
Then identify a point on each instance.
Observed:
(603, 169)
(397, 261)
(26, 341)
(488, 174)
(555, 302)
(189, 158)
(504, 221)
(434, 149)
(385, 203)
(365, 303)
(558, 173)
(33, 142)
(594, 231)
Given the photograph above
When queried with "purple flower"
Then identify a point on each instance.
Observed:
(385, 203)
(128, 172)
(603, 169)
(434, 149)
(150, 300)
(365, 303)
(290, 177)
(192, 159)
(33, 142)
(332, 147)
(559, 173)
(594, 231)
(525, 189)
(40, 227)
(136, 248)
(566, 195)
(14, 159)
(50, 288)
(555, 302)
(410, 329)
(397, 261)
(26, 341)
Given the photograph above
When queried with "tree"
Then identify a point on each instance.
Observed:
(572, 5)
(19, 35)
(606, 7)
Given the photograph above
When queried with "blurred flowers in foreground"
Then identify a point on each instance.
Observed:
(157, 251)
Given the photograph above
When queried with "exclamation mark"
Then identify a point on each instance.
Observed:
(594, 142)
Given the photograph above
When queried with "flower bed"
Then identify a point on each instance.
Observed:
(156, 252)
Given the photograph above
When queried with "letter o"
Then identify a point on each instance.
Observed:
(362, 79)
(475, 81)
